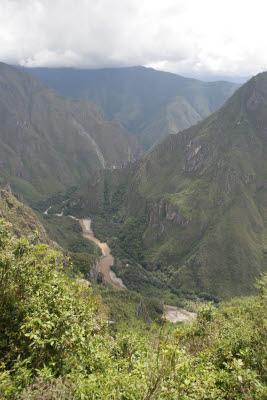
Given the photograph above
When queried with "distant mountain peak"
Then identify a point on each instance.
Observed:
(149, 103)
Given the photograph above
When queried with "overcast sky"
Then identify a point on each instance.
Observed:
(189, 37)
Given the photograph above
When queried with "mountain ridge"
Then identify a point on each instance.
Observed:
(50, 142)
(149, 103)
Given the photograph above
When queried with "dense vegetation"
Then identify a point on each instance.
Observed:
(55, 343)
(188, 222)
(23, 219)
(104, 198)
(125, 307)
(193, 213)
(68, 233)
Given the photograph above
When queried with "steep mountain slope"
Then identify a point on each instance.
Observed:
(49, 142)
(202, 197)
(64, 234)
(21, 219)
(149, 103)
(56, 343)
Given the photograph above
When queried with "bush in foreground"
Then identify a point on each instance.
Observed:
(55, 344)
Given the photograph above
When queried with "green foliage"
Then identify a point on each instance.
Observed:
(126, 306)
(45, 318)
(82, 263)
(131, 237)
(205, 195)
(21, 217)
(57, 199)
(54, 342)
(68, 233)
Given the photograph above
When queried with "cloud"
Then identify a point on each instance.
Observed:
(182, 36)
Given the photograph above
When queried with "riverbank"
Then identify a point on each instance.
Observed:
(106, 260)
(171, 313)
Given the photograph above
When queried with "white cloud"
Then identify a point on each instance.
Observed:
(183, 36)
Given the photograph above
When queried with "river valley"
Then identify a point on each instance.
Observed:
(171, 313)
(106, 260)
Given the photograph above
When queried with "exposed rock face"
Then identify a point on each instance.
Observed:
(255, 101)
(161, 213)
(197, 155)
(74, 203)
(94, 271)
(22, 219)
(6, 186)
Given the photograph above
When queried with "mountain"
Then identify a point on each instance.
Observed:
(151, 104)
(49, 142)
(57, 340)
(21, 219)
(193, 212)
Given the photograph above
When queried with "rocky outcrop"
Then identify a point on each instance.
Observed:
(6, 186)
(22, 219)
(94, 271)
(255, 101)
(163, 214)
(197, 155)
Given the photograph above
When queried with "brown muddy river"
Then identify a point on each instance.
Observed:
(173, 314)
(106, 260)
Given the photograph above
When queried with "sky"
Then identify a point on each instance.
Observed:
(201, 38)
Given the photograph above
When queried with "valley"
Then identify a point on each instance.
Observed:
(133, 237)
(106, 259)
(148, 103)
(49, 142)
(133, 200)
(186, 221)
(192, 212)
(171, 313)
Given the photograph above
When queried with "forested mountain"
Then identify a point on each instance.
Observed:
(193, 212)
(149, 103)
(188, 220)
(49, 142)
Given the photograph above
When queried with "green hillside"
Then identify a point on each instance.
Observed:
(186, 222)
(55, 342)
(151, 104)
(49, 142)
(194, 212)
(22, 219)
